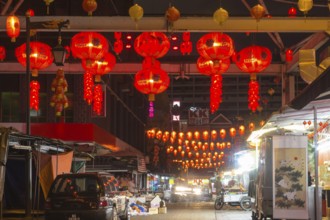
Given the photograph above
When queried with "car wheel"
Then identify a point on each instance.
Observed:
(245, 203)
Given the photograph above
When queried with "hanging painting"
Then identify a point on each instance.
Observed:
(290, 200)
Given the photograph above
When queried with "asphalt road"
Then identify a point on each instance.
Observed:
(197, 211)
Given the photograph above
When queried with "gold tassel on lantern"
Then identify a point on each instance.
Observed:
(47, 4)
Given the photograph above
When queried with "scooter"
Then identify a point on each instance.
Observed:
(233, 198)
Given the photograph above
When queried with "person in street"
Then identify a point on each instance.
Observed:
(131, 186)
(218, 185)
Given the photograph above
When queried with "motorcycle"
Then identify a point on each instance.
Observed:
(233, 198)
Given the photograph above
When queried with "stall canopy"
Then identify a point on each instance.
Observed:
(87, 138)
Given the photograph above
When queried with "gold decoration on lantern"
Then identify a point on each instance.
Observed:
(220, 16)
(305, 5)
(258, 12)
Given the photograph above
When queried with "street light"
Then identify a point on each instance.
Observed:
(59, 52)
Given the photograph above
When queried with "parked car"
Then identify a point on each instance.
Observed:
(85, 196)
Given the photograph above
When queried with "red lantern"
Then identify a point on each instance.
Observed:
(41, 56)
(209, 67)
(189, 135)
(13, 27)
(118, 45)
(205, 135)
(151, 81)
(223, 134)
(100, 67)
(152, 44)
(232, 132)
(2, 53)
(288, 55)
(215, 46)
(186, 45)
(196, 135)
(241, 130)
(251, 126)
(252, 60)
(214, 134)
(89, 6)
(292, 12)
(89, 46)
(34, 95)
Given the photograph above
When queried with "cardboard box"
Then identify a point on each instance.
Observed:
(152, 211)
(162, 210)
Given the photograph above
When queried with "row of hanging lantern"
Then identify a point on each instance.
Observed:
(212, 135)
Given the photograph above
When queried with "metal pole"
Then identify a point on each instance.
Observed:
(28, 160)
(317, 195)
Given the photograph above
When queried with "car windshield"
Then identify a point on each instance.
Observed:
(79, 184)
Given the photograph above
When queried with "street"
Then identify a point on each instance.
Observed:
(197, 211)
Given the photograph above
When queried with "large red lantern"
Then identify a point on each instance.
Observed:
(209, 67)
(152, 44)
(215, 46)
(89, 46)
(13, 27)
(40, 57)
(100, 67)
(253, 59)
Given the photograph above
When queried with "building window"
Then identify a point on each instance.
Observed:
(10, 107)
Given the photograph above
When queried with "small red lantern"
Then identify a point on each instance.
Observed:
(118, 45)
(292, 12)
(241, 130)
(189, 135)
(186, 45)
(41, 56)
(205, 135)
(152, 44)
(89, 6)
(214, 134)
(223, 134)
(13, 27)
(2, 53)
(288, 55)
(196, 135)
(89, 46)
(100, 67)
(251, 126)
(232, 132)
(29, 12)
(215, 46)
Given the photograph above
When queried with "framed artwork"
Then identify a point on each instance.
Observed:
(290, 198)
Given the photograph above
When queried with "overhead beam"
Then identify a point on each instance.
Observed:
(316, 41)
(192, 24)
(132, 68)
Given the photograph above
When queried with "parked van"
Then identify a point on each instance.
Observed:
(85, 196)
